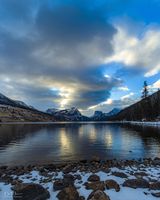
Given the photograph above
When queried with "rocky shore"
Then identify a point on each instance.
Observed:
(90, 180)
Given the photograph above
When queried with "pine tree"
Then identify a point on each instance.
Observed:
(145, 90)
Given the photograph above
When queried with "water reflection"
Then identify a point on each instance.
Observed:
(41, 143)
(109, 139)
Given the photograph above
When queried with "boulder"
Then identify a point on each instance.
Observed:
(93, 178)
(62, 183)
(68, 193)
(136, 183)
(98, 185)
(111, 184)
(98, 195)
(140, 174)
(28, 191)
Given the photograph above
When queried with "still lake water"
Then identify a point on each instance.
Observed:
(61, 142)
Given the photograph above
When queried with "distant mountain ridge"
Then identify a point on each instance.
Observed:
(147, 109)
(17, 111)
(10, 102)
(72, 114)
(100, 116)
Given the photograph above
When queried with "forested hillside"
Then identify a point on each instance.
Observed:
(148, 109)
(16, 114)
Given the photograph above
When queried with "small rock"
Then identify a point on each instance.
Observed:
(93, 178)
(156, 161)
(78, 177)
(119, 174)
(68, 169)
(60, 184)
(68, 193)
(156, 194)
(106, 170)
(136, 183)
(111, 184)
(140, 174)
(69, 178)
(98, 195)
(98, 185)
(81, 198)
(155, 186)
(146, 193)
(28, 191)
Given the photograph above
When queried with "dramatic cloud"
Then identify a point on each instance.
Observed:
(57, 54)
(124, 88)
(72, 53)
(137, 51)
(108, 105)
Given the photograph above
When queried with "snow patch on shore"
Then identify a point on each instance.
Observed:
(125, 193)
(142, 123)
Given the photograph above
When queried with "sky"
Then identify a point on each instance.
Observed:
(89, 54)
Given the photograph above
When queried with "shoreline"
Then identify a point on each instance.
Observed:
(112, 179)
(146, 123)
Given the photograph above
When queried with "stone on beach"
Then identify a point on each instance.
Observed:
(136, 183)
(68, 193)
(93, 178)
(28, 191)
(155, 186)
(120, 174)
(62, 183)
(98, 185)
(98, 195)
(111, 184)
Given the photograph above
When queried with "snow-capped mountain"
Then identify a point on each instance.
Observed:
(72, 114)
(100, 116)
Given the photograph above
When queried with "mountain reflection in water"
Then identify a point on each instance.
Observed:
(61, 142)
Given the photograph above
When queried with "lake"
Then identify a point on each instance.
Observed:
(22, 144)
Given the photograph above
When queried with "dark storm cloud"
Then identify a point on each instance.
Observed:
(60, 46)
(89, 98)
(94, 88)
(72, 25)
(19, 10)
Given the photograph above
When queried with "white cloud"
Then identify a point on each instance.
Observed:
(107, 102)
(127, 96)
(155, 86)
(124, 88)
(135, 50)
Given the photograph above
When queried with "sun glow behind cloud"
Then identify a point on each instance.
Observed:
(66, 95)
